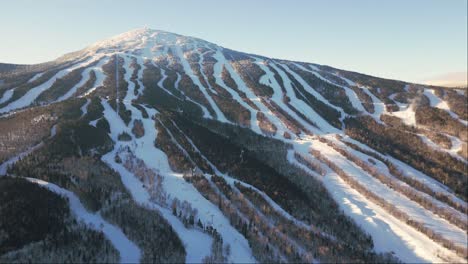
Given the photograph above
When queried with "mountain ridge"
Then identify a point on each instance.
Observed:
(70, 55)
(242, 152)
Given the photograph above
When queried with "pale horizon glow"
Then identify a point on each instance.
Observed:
(413, 41)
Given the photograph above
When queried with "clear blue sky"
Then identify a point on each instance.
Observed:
(401, 39)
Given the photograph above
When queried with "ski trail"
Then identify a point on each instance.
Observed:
(312, 91)
(269, 80)
(84, 107)
(35, 77)
(242, 86)
(161, 81)
(196, 81)
(206, 113)
(352, 96)
(389, 234)
(85, 75)
(301, 106)
(33, 93)
(217, 73)
(129, 252)
(230, 180)
(436, 102)
(202, 73)
(7, 95)
(173, 183)
(100, 77)
(13, 160)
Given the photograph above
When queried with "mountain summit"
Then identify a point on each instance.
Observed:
(157, 147)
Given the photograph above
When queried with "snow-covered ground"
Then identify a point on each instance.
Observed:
(413, 209)
(85, 75)
(415, 174)
(242, 86)
(407, 114)
(129, 252)
(217, 69)
(269, 79)
(35, 77)
(309, 89)
(353, 98)
(33, 93)
(301, 106)
(441, 104)
(100, 77)
(389, 234)
(84, 107)
(173, 184)
(453, 151)
(7, 95)
(188, 70)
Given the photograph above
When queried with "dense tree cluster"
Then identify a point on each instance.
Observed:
(37, 226)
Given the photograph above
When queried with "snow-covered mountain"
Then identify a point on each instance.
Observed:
(170, 148)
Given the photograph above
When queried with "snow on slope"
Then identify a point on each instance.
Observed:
(407, 115)
(84, 107)
(382, 168)
(35, 77)
(453, 151)
(217, 68)
(242, 86)
(415, 174)
(269, 80)
(379, 106)
(85, 75)
(14, 159)
(33, 93)
(353, 98)
(195, 252)
(173, 183)
(413, 209)
(6, 95)
(304, 108)
(129, 252)
(441, 104)
(389, 234)
(197, 244)
(100, 77)
(188, 70)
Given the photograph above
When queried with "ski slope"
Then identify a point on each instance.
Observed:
(128, 251)
(184, 56)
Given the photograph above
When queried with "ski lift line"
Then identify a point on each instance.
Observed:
(117, 82)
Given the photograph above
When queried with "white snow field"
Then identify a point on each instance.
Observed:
(407, 115)
(7, 95)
